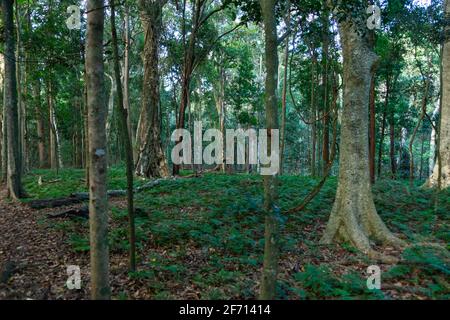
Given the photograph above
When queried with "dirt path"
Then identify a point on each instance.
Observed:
(34, 257)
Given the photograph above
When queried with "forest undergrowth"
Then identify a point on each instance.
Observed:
(203, 238)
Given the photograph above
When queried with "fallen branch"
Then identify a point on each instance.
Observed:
(82, 212)
(79, 197)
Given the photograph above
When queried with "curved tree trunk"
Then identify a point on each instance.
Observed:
(444, 130)
(354, 217)
(151, 161)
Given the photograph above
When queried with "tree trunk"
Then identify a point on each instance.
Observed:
(354, 217)
(413, 136)
(55, 155)
(126, 71)
(441, 175)
(285, 86)
(381, 143)
(4, 141)
(151, 162)
(40, 126)
(15, 189)
(392, 144)
(313, 114)
(432, 159)
(326, 110)
(126, 139)
(219, 97)
(188, 68)
(271, 245)
(97, 109)
(372, 132)
(109, 119)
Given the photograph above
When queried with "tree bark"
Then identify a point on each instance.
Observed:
(151, 161)
(271, 245)
(97, 109)
(372, 132)
(413, 136)
(381, 143)
(441, 174)
(126, 139)
(392, 144)
(354, 217)
(326, 110)
(285, 86)
(313, 113)
(188, 68)
(14, 174)
(126, 70)
(43, 163)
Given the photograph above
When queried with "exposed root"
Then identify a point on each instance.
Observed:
(358, 223)
(382, 258)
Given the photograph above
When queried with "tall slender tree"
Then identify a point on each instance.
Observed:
(441, 173)
(14, 174)
(271, 241)
(126, 138)
(97, 112)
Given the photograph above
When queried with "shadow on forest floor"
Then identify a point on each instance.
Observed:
(202, 238)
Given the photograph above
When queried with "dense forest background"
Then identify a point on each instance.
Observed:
(363, 113)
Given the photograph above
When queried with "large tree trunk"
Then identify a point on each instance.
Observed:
(441, 174)
(96, 104)
(354, 217)
(14, 173)
(151, 161)
(271, 245)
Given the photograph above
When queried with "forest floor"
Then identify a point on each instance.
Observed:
(202, 238)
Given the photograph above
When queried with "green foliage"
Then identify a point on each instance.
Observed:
(319, 282)
(209, 232)
(79, 243)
